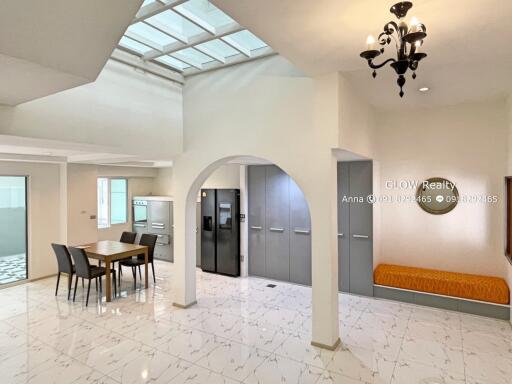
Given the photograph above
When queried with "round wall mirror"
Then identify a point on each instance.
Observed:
(437, 195)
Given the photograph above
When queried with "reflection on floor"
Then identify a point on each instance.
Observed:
(240, 331)
(12, 268)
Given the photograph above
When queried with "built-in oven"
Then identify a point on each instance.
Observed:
(140, 214)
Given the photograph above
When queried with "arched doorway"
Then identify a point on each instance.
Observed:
(319, 185)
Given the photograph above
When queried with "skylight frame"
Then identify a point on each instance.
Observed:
(211, 30)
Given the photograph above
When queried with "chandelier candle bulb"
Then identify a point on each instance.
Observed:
(414, 23)
(370, 43)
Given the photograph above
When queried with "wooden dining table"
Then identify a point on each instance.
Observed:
(108, 251)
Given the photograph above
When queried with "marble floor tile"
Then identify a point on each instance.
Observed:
(361, 365)
(233, 360)
(150, 367)
(298, 347)
(280, 370)
(240, 331)
(199, 375)
(407, 372)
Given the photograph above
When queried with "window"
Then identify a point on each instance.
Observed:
(112, 202)
(13, 229)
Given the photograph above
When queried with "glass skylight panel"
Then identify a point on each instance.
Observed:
(174, 22)
(159, 39)
(134, 46)
(220, 47)
(172, 62)
(206, 11)
(147, 2)
(247, 40)
(191, 55)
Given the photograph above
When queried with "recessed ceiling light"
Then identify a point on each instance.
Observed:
(424, 89)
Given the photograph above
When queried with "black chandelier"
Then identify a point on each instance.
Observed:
(407, 38)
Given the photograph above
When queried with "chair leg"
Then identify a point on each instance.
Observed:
(115, 284)
(83, 286)
(57, 287)
(120, 270)
(101, 288)
(88, 291)
(153, 269)
(134, 278)
(96, 283)
(74, 293)
(70, 281)
(140, 274)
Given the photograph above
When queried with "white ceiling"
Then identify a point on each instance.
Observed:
(468, 44)
(47, 46)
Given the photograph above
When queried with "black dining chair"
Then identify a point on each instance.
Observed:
(65, 265)
(136, 262)
(87, 271)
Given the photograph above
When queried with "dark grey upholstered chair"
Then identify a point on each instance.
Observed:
(128, 237)
(87, 271)
(65, 265)
(136, 262)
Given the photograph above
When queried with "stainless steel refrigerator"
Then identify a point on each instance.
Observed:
(220, 231)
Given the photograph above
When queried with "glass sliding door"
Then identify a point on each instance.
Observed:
(13, 229)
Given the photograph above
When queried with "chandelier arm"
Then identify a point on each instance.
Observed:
(377, 66)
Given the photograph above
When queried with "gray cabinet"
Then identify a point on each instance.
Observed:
(256, 217)
(279, 226)
(355, 222)
(160, 213)
(300, 237)
(343, 227)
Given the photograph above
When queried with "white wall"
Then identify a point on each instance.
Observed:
(136, 113)
(82, 199)
(44, 221)
(266, 109)
(226, 176)
(466, 144)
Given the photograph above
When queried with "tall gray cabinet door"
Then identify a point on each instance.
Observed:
(257, 223)
(171, 229)
(278, 224)
(361, 229)
(343, 227)
(300, 237)
(159, 217)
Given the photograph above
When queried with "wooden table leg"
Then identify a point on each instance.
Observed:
(146, 259)
(108, 288)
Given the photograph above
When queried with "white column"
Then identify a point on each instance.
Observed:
(323, 207)
(184, 250)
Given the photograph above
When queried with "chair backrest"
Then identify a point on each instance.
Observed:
(63, 258)
(82, 266)
(149, 241)
(128, 237)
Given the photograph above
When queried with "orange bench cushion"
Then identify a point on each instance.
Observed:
(474, 287)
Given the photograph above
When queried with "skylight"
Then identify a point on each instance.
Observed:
(189, 36)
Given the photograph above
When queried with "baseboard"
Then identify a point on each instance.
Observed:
(185, 306)
(474, 307)
(325, 346)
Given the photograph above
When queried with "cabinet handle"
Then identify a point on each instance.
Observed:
(161, 243)
(272, 229)
(255, 227)
(139, 225)
(360, 236)
(302, 231)
(159, 224)
(341, 235)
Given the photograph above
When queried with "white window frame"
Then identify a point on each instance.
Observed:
(109, 204)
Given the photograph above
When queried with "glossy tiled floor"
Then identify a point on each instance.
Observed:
(240, 331)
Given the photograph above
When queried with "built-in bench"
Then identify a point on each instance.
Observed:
(480, 295)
